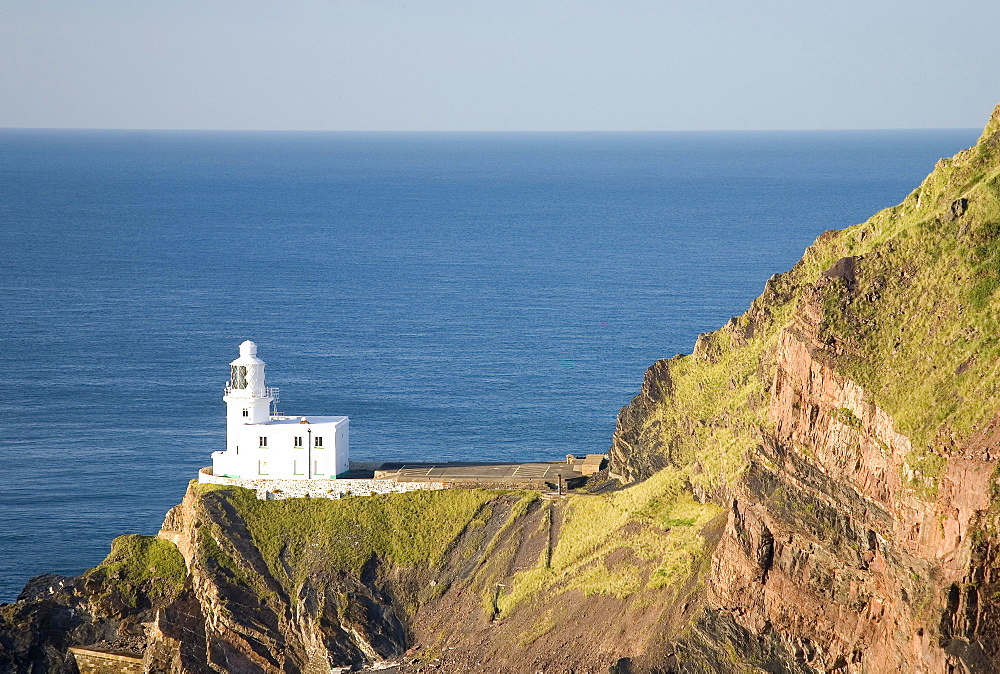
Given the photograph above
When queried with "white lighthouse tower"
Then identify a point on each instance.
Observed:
(248, 400)
(265, 446)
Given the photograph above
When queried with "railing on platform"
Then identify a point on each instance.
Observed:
(269, 391)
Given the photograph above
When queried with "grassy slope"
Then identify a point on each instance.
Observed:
(920, 331)
(141, 566)
(413, 528)
(664, 532)
(418, 528)
(922, 328)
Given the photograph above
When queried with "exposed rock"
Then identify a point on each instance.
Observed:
(957, 209)
(844, 270)
(637, 451)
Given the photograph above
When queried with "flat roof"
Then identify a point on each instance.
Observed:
(297, 421)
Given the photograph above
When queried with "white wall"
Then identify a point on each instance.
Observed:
(259, 411)
(281, 459)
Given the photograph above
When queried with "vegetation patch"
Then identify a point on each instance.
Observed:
(404, 529)
(846, 417)
(142, 564)
(621, 543)
(214, 555)
(926, 469)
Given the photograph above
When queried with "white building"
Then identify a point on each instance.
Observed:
(262, 445)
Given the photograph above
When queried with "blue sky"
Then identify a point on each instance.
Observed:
(498, 65)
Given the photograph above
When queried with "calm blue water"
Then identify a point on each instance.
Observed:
(460, 296)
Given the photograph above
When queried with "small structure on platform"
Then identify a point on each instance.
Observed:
(101, 660)
(262, 444)
(588, 465)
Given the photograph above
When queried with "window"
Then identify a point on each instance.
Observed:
(298, 441)
(297, 467)
(238, 376)
(316, 468)
(263, 441)
(262, 467)
(318, 442)
(246, 412)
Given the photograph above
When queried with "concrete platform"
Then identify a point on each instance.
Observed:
(528, 475)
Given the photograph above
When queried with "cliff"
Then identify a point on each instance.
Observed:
(849, 422)
(812, 490)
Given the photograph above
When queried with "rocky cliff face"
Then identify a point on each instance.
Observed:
(250, 603)
(861, 526)
(812, 490)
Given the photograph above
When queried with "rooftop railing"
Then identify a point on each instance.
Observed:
(268, 391)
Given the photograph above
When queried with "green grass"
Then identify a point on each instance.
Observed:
(846, 417)
(407, 529)
(663, 541)
(142, 564)
(213, 554)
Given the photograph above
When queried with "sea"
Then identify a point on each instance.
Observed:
(461, 296)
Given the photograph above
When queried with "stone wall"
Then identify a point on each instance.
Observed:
(99, 662)
(365, 465)
(279, 489)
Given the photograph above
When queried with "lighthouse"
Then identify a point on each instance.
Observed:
(263, 445)
(248, 400)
